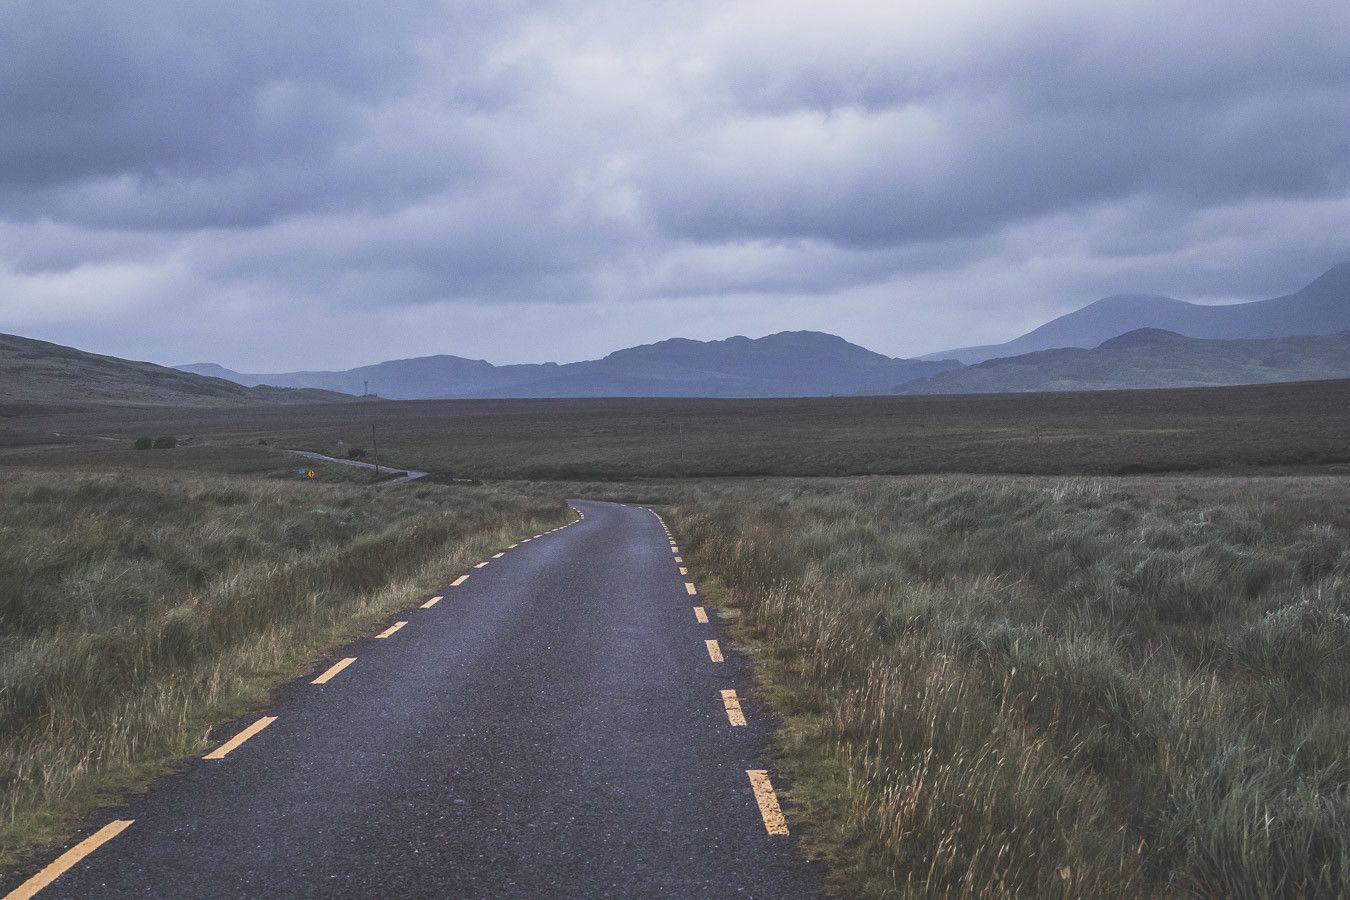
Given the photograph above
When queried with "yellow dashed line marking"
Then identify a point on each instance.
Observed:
(480, 565)
(690, 589)
(683, 570)
(59, 866)
(769, 810)
(432, 602)
(674, 549)
(460, 580)
(499, 555)
(733, 704)
(701, 614)
(333, 670)
(679, 559)
(513, 546)
(391, 629)
(234, 742)
(714, 650)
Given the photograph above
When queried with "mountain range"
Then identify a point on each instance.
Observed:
(1323, 307)
(1116, 343)
(788, 364)
(1150, 358)
(807, 363)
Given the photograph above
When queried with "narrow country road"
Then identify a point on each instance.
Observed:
(408, 474)
(557, 724)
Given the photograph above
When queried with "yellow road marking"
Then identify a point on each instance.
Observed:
(733, 704)
(701, 614)
(432, 602)
(460, 580)
(513, 546)
(679, 559)
(480, 565)
(714, 650)
(59, 866)
(674, 549)
(499, 555)
(683, 570)
(690, 589)
(391, 629)
(234, 742)
(333, 670)
(769, 810)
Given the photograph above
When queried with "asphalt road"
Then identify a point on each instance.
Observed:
(554, 726)
(408, 474)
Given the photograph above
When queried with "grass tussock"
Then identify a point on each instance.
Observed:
(135, 612)
(1051, 688)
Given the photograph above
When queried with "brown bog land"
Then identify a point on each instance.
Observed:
(1287, 426)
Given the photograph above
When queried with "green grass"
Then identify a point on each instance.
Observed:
(1021, 687)
(136, 611)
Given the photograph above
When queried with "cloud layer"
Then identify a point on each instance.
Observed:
(325, 183)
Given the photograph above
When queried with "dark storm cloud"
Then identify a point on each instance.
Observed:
(913, 175)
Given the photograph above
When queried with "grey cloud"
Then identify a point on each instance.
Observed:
(791, 162)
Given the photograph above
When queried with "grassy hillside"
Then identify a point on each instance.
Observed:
(36, 376)
(137, 611)
(1051, 688)
(1151, 358)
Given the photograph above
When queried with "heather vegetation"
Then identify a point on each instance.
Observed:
(138, 611)
(1018, 687)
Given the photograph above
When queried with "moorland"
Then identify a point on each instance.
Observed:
(1049, 644)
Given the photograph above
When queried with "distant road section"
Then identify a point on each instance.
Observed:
(409, 474)
(552, 725)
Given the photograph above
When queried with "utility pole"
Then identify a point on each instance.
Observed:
(374, 450)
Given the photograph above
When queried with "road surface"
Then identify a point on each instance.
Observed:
(557, 724)
(408, 474)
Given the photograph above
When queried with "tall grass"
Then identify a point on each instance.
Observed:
(999, 687)
(136, 611)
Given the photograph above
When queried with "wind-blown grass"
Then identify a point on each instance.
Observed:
(137, 611)
(999, 687)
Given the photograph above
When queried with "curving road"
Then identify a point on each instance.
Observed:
(556, 725)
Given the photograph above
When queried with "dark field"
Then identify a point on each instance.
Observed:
(1293, 426)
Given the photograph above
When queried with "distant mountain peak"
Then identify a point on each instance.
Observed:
(785, 364)
(1337, 279)
(1142, 337)
(1320, 308)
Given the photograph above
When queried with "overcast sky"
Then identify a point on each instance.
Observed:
(318, 183)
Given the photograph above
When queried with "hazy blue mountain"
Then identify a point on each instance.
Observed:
(789, 364)
(1150, 358)
(37, 376)
(420, 378)
(1322, 307)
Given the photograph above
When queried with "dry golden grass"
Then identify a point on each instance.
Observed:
(138, 610)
